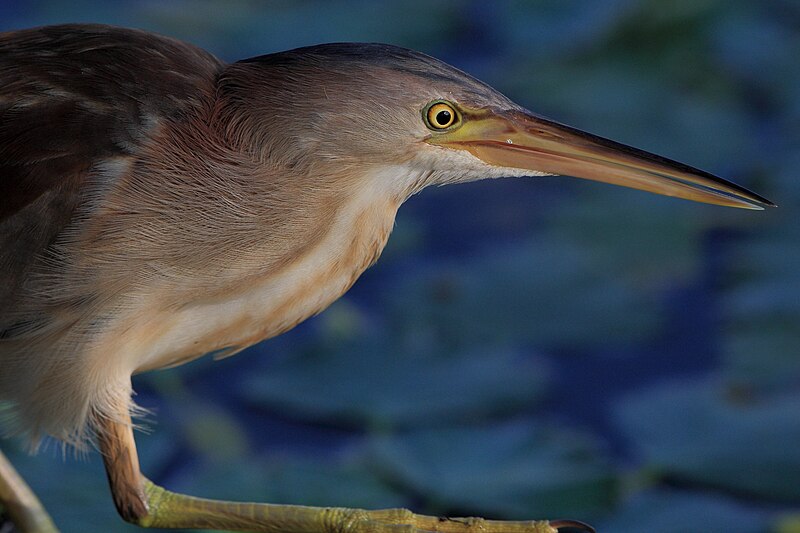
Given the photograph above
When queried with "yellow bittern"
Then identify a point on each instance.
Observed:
(159, 204)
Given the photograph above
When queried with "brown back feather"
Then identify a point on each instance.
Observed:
(73, 98)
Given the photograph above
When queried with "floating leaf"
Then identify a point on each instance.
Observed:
(789, 523)
(369, 385)
(292, 480)
(515, 470)
(764, 354)
(649, 241)
(762, 310)
(584, 22)
(705, 433)
(670, 511)
(547, 291)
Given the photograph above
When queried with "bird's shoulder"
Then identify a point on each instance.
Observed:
(77, 103)
(75, 96)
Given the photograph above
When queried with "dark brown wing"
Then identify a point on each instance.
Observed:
(75, 99)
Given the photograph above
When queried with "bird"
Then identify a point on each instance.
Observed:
(160, 204)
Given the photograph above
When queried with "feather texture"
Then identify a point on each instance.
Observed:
(162, 205)
(77, 106)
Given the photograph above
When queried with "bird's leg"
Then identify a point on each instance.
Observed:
(144, 503)
(116, 443)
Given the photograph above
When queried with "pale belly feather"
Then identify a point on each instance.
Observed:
(272, 305)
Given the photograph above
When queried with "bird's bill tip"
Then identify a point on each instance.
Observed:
(519, 140)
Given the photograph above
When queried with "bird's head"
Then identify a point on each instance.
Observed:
(381, 112)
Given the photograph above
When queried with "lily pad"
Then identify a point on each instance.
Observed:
(293, 480)
(706, 433)
(762, 348)
(367, 387)
(649, 241)
(763, 354)
(672, 511)
(515, 470)
(584, 22)
(548, 291)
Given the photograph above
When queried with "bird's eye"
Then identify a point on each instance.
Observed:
(440, 116)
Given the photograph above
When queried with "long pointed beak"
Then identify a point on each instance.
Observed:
(523, 141)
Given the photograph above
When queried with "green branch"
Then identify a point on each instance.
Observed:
(19, 502)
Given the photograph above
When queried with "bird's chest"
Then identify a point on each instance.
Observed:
(276, 301)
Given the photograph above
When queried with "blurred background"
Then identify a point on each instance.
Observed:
(528, 348)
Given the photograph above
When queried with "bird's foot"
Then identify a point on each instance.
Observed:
(403, 520)
(172, 510)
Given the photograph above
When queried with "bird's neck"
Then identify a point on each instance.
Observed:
(247, 248)
(324, 252)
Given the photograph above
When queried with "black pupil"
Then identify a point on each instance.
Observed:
(443, 117)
